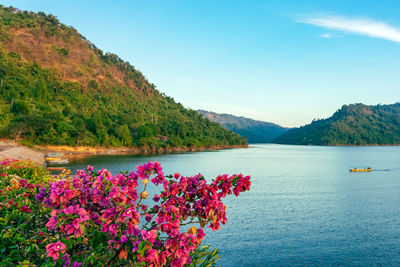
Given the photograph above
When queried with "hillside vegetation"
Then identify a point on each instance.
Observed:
(56, 87)
(355, 124)
(255, 131)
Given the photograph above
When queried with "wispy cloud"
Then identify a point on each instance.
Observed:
(330, 35)
(326, 35)
(356, 25)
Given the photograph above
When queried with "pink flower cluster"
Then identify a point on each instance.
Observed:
(20, 189)
(23, 208)
(149, 233)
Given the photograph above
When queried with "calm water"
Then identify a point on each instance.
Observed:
(304, 208)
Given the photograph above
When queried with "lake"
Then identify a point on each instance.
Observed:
(304, 207)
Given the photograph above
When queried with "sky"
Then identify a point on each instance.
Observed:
(286, 62)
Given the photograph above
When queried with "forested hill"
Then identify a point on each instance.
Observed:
(56, 87)
(355, 124)
(255, 131)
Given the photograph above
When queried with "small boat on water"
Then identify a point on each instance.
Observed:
(55, 154)
(360, 170)
(56, 158)
(53, 160)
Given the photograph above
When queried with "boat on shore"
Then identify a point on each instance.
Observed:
(361, 170)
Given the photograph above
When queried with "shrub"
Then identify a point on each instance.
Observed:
(21, 216)
(98, 218)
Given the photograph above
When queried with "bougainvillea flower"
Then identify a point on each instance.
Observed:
(149, 235)
(52, 222)
(148, 217)
(67, 259)
(83, 215)
(156, 198)
(53, 250)
(152, 233)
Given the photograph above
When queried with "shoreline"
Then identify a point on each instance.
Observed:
(37, 153)
(86, 150)
(11, 149)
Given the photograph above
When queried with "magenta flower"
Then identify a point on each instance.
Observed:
(148, 217)
(52, 222)
(74, 227)
(116, 207)
(53, 250)
(112, 229)
(83, 215)
(178, 262)
(123, 239)
(67, 259)
(149, 235)
(133, 214)
(156, 198)
(152, 256)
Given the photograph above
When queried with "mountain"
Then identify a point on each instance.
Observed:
(355, 124)
(56, 87)
(255, 131)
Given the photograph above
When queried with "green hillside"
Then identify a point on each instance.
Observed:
(255, 131)
(56, 87)
(355, 124)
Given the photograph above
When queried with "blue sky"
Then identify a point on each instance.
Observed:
(287, 62)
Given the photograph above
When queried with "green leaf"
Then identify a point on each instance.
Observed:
(141, 246)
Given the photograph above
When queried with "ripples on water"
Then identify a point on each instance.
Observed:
(304, 208)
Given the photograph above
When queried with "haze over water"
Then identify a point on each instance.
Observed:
(304, 207)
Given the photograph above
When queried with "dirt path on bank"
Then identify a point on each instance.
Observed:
(11, 150)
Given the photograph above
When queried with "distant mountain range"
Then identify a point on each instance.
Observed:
(255, 131)
(355, 124)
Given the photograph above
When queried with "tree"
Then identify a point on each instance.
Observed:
(2, 75)
(20, 107)
(124, 134)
